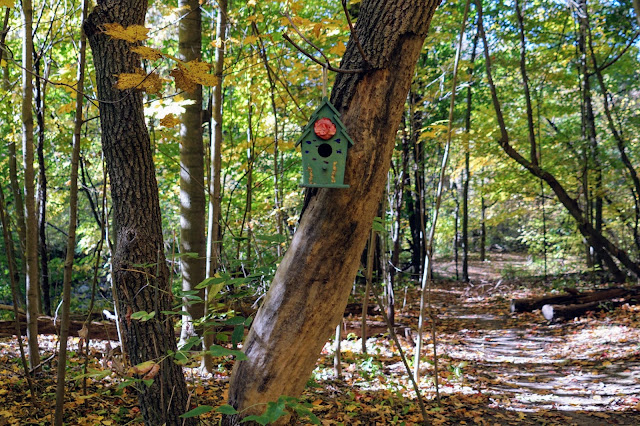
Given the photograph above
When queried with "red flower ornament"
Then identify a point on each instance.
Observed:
(324, 128)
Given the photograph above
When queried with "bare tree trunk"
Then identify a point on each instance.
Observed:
(192, 199)
(31, 242)
(276, 171)
(140, 271)
(214, 244)
(73, 219)
(396, 229)
(466, 174)
(589, 125)
(42, 186)
(368, 276)
(483, 228)
(310, 289)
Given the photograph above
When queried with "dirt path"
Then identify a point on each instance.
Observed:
(497, 368)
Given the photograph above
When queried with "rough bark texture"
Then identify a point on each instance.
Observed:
(192, 201)
(139, 268)
(311, 286)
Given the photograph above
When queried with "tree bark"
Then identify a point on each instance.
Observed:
(589, 132)
(466, 174)
(31, 222)
(214, 244)
(139, 268)
(311, 286)
(73, 219)
(192, 200)
(42, 187)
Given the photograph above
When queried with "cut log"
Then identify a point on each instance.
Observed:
(528, 305)
(569, 312)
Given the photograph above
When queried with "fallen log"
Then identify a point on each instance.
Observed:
(104, 330)
(531, 304)
(569, 312)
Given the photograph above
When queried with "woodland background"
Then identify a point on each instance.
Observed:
(565, 74)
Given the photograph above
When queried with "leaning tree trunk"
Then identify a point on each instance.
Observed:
(139, 269)
(192, 201)
(311, 286)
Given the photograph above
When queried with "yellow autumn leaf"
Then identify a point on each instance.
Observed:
(147, 52)
(189, 74)
(250, 39)
(131, 34)
(182, 82)
(7, 3)
(338, 49)
(150, 83)
(169, 120)
(142, 368)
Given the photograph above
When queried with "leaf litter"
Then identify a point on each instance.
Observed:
(495, 368)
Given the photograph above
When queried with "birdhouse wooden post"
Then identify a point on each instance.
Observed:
(323, 144)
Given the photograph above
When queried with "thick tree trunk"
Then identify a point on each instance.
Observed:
(192, 200)
(139, 269)
(31, 234)
(311, 286)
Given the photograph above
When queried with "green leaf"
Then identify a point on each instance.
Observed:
(143, 315)
(216, 350)
(263, 419)
(235, 321)
(190, 343)
(237, 335)
(378, 225)
(201, 409)
(226, 409)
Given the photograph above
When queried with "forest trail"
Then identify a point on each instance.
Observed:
(500, 369)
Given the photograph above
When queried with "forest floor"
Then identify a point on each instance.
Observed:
(495, 368)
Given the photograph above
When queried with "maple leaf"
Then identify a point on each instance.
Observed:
(147, 52)
(7, 3)
(189, 74)
(131, 34)
(169, 120)
(182, 81)
(150, 83)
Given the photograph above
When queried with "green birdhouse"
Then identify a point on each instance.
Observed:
(324, 143)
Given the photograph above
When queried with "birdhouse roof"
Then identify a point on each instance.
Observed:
(326, 109)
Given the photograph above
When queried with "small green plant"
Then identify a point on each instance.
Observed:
(273, 411)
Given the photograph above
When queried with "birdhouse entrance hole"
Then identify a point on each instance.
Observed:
(325, 150)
